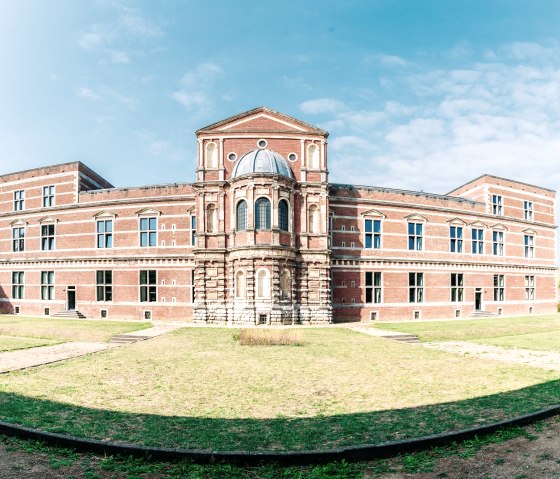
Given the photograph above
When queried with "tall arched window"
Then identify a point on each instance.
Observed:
(240, 284)
(283, 216)
(211, 155)
(211, 219)
(285, 285)
(241, 216)
(263, 283)
(313, 219)
(262, 214)
(313, 156)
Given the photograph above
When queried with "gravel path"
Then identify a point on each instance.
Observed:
(538, 359)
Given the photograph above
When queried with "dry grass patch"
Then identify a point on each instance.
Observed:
(268, 337)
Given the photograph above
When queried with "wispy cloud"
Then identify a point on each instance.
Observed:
(97, 36)
(108, 93)
(119, 57)
(88, 93)
(203, 74)
(321, 105)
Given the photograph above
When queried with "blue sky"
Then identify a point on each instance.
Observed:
(422, 95)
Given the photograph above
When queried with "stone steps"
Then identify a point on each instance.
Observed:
(127, 338)
(404, 338)
(69, 313)
(483, 314)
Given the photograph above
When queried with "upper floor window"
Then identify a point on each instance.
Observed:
(529, 244)
(211, 155)
(498, 243)
(528, 210)
(148, 232)
(283, 216)
(477, 243)
(313, 156)
(372, 234)
(456, 239)
(18, 238)
(19, 200)
(47, 237)
(285, 285)
(193, 230)
(415, 235)
(105, 233)
(529, 287)
(313, 219)
(17, 284)
(415, 287)
(262, 214)
(211, 219)
(456, 287)
(497, 205)
(48, 196)
(373, 287)
(148, 286)
(241, 216)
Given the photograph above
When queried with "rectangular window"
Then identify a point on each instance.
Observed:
(498, 243)
(415, 233)
(17, 284)
(415, 287)
(528, 210)
(19, 200)
(105, 233)
(498, 287)
(48, 196)
(373, 287)
(105, 285)
(47, 285)
(193, 230)
(18, 239)
(529, 242)
(477, 243)
(192, 286)
(497, 205)
(456, 287)
(373, 234)
(529, 287)
(456, 239)
(148, 285)
(148, 231)
(47, 237)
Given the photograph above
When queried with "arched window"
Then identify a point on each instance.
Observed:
(313, 156)
(211, 155)
(283, 216)
(263, 283)
(285, 285)
(241, 216)
(240, 284)
(313, 219)
(211, 223)
(262, 214)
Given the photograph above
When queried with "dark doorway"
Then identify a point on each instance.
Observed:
(71, 298)
(478, 299)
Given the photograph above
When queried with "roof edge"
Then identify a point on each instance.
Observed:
(500, 178)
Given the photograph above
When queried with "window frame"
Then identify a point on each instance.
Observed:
(241, 215)
(263, 214)
(283, 215)
(373, 281)
(529, 245)
(148, 285)
(530, 287)
(19, 200)
(372, 233)
(457, 287)
(497, 205)
(415, 239)
(148, 235)
(48, 237)
(104, 285)
(416, 287)
(106, 237)
(477, 243)
(47, 285)
(499, 287)
(48, 192)
(455, 239)
(18, 285)
(18, 243)
(498, 243)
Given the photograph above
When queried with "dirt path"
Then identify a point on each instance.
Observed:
(537, 359)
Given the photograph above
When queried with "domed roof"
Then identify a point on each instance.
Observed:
(262, 160)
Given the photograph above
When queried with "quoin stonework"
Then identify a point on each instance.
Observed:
(263, 237)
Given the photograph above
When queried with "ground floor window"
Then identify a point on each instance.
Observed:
(17, 284)
(499, 287)
(456, 287)
(47, 285)
(529, 287)
(373, 287)
(415, 287)
(148, 285)
(104, 285)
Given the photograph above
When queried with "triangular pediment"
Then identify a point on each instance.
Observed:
(104, 214)
(478, 224)
(457, 221)
(416, 217)
(18, 223)
(191, 210)
(499, 227)
(48, 219)
(530, 231)
(261, 120)
(148, 212)
(374, 213)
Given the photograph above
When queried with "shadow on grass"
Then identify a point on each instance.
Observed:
(323, 432)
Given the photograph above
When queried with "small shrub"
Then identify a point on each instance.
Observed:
(268, 337)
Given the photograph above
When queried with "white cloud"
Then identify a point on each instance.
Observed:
(119, 57)
(203, 74)
(97, 36)
(321, 105)
(190, 99)
(136, 23)
(394, 61)
(88, 93)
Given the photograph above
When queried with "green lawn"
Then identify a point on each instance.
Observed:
(62, 330)
(196, 388)
(473, 329)
(549, 341)
(9, 343)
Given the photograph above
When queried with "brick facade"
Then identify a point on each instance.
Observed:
(315, 252)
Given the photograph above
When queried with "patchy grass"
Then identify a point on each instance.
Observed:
(197, 388)
(549, 341)
(268, 337)
(62, 330)
(472, 329)
(10, 343)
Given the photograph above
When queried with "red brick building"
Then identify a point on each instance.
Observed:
(263, 237)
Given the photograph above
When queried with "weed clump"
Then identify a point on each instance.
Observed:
(268, 337)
